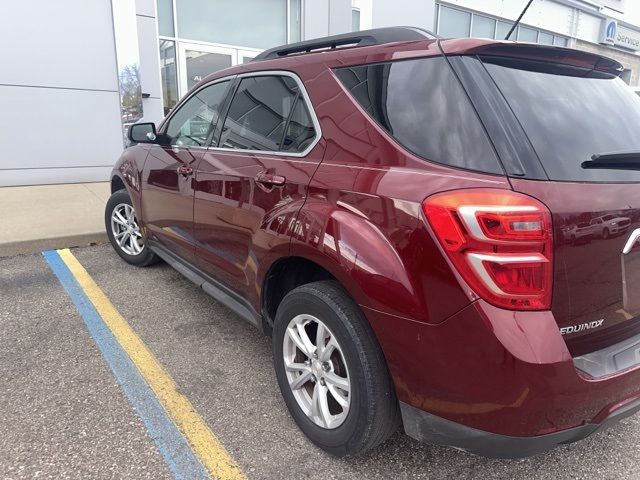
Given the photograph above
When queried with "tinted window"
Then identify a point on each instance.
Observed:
(193, 122)
(422, 105)
(300, 131)
(569, 118)
(259, 114)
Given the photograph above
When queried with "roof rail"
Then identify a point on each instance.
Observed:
(377, 36)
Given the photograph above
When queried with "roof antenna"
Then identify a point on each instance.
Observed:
(518, 20)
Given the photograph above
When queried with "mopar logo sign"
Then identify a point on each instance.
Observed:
(613, 33)
(609, 31)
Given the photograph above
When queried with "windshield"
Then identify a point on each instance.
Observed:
(570, 118)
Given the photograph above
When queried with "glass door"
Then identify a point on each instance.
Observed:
(197, 61)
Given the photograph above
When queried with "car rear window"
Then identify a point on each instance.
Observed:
(568, 118)
(423, 106)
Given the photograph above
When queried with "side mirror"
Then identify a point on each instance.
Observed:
(142, 133)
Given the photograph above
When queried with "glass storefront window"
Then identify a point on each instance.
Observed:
(250, 23)
(453, 23)
(559, 41)
(527, 35)
(503, 29)
(165, 17)
(199, 64)
(483, 27)
(169, 74)
(545, 38)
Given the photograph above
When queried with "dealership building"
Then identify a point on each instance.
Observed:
(76, 73)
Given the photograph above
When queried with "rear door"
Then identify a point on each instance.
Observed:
(168, 175)
(253, 180)
(569, 115)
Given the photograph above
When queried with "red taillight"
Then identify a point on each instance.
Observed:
(500, 242)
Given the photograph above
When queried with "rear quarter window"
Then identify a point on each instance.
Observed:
(421, 104)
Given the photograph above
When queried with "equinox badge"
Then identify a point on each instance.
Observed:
(581, 327)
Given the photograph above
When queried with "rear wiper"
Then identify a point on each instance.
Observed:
(614, 161)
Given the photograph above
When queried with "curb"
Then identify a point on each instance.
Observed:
(38, 245)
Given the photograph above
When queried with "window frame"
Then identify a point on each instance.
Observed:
(181, 103)
(303, 95)
(235, 81)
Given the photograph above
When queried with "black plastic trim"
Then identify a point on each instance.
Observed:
(210, 285)
(435, 430)
(376, 36)
(512, 145)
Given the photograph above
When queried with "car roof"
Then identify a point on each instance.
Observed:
(339, 49)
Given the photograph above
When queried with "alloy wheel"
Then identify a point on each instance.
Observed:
(125, 229)
(316, 371)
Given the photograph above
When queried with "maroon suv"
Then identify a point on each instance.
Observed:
(393, 210)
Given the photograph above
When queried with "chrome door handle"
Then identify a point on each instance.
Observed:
(270, 179)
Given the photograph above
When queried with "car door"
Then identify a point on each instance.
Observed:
(252, 182)
(168, 174)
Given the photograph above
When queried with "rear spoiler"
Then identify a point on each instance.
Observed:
(532, 52)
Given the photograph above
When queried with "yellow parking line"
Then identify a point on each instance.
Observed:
(204, 443)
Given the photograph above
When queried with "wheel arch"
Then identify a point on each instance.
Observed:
(117, 183)
(284, 275)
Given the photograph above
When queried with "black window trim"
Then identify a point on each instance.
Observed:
(302, 95)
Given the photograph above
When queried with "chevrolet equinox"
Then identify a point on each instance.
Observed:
(392, 209)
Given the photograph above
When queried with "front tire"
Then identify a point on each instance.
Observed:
(331, 370)
(124, 232)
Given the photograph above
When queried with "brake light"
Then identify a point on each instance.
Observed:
(499, 241)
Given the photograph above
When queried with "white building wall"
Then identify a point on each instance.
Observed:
(366, 13)
(326, 17)
(391, 13)
(149, 61)
(557, 17)
(60, 114)
(544, 14)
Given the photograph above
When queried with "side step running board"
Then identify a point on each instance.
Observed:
(211, 286)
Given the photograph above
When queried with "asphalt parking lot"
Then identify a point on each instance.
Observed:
(63, 414)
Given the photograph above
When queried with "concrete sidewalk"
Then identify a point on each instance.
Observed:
(40, 217)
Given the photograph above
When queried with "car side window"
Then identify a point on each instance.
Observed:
(191, 125)
(300, 131)
(410, 99)
(268, 113)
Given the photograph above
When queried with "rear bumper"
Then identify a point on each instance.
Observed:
(497, 382)
(431, 429)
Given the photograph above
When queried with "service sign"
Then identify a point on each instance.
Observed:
(613, 33)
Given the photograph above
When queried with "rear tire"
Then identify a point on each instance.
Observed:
(124, 233)
(356, 405)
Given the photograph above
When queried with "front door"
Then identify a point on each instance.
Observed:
(252, 183)
(168, 175)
